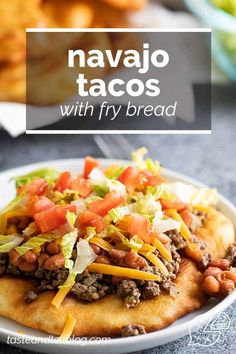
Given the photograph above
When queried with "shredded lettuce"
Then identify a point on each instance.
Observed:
(85, 256)
(189, 194)
(66, 197)
(147, 205)
(8, 242)
(103, 185)
(135, 243)
(67, 245)
(15, 203)
(71, 219)
(164, 225)
(116, 186)
(97, 177)
(48, 174)
(116, 173)
(34, 242)
(90, 232)
(118, 213)
(101, 190)
(142, 164)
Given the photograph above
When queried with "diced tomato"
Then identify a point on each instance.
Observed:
(139, 225)
(41, 203)
(173, 204)
(64, 182)
(89, 164)
(82, 186)
(130, 178)
(111, 200)
(50, 219)
(148, 179)
(37, 187)
(186, 215)
(90, 219)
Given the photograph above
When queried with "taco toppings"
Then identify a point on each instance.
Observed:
(119, 230)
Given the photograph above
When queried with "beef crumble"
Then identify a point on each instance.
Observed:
(231, 255)
(129, 292)
(30, 296)
(132, 330)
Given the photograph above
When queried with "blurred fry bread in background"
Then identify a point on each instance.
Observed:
(127, 4)
(17, 15)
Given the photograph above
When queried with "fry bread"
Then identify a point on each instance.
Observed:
(108, 315)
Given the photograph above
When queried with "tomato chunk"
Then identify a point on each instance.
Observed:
(130, 178)
(37, 187)
(89, 164)
(173, 204)
(139, 225)
(41, 203)
(82, 186)
(111, 200)
(146, 178)
(90, 219)
(64, 182)
(187, 217)
(50, 219)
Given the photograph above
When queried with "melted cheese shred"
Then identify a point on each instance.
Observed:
(68, 328)
(121, 272)
(156, 261)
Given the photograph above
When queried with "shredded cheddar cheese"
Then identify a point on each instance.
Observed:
(68, 328)
(156, 261)
(184, 230)
(121, 271)
(101, 243)
(61, 294)
(162, 249)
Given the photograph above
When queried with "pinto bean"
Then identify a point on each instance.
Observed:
(42, 259)
(96, 248)
(14, 257)
(53, 248)
(223, 264)
(225, 275)
(54, 262)
(29, 257)
(212, 271)
(211, 284)
(226, 286)
(102, 259)
(133, 260)
(117, 255)
(26, 267)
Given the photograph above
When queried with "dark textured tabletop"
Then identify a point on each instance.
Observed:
(209, 158)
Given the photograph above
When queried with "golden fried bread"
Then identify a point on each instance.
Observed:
(95, 318)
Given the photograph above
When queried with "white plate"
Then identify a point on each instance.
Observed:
(121, 345)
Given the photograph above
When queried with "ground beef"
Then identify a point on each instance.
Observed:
(149, 290)
(92, 287)
(90, 293)
(231, 255)
(172, 267)
(129, 291)
(30, 296)
(3, 263)
(50, 280)
(132, 330)
(166, 285)
(11, 269)
(203, 263)
(178, 241)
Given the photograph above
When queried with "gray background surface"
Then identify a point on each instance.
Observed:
(210, 159)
